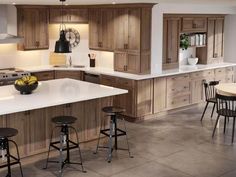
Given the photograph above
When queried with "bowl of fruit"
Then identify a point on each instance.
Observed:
(26, 84)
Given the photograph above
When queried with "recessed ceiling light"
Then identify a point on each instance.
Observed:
(14, 3)
(113, 2)
(66, 4)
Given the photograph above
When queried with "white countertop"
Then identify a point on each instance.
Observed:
(53, 93)
(182, 70)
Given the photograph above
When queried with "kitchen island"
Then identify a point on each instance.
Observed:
(31, 114)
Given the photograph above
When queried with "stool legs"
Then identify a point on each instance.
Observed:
(64, 138)
(127, 141)
(80, 154)
(115, 132)
(110, 141)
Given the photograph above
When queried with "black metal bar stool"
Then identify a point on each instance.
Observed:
(6, 133)
(114, 132)
(65, 144)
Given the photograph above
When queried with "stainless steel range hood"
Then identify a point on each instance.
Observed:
(8, 25)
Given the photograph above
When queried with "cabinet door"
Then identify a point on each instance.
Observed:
(133, 63)
(171, 42)
(134, 26)
(26, 28)
(56, 15)
(33, 26)
(20, 121)
(194, 24)
(121, 28)
(220, 75)
(197, 91)
(78, 15)
(41, 31)
(159, 97)
(219, 38)
(94, 28)
(38, 131)
(120, 61)
(107, 29)
(211, 39)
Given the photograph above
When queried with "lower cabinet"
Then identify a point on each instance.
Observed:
(138, 100)
(159, 94)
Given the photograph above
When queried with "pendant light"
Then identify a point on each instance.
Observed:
(62, 45)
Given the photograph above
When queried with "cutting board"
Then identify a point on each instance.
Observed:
(57, 59)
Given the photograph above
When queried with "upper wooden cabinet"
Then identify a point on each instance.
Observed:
(132, 39)
(128, 28)
(171, 31)
(101, 29)
(215, 39)
(33, 26)
(194, 24)
(69, 15)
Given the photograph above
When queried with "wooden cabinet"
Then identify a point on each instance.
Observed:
(128, 62)
(44, 75)
(132, 40)
(159, 97)
(178, 91)
(69, 15)
(194, 24)
(101, 29)
(32, 25)
(215, 43)
(171, 31)
(78, 75)
(138, 101)
(220, 74)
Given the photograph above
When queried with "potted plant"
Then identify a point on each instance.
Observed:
(184, 41)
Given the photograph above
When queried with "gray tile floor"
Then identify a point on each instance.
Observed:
(176, 145)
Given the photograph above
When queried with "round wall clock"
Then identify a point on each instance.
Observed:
(73, 36)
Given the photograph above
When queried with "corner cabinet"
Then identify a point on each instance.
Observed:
(132, 39)
(32, 25)
(101, 29)
(171, 31)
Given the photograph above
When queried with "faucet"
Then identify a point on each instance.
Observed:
(70, 61)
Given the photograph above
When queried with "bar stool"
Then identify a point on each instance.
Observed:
(114, 113)
(65, 144)
(6, 133)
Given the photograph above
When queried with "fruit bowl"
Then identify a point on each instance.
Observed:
(26, 84)
(26, 89)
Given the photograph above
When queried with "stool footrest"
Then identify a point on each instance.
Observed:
(121, 132)
(74, 145)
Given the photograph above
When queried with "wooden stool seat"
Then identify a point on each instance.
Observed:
(7, 132)
(113, 110)
(64, 120)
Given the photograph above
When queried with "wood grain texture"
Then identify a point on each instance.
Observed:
(44, 75)
(159, 94)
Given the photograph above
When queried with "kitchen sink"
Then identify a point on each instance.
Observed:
(65, 66)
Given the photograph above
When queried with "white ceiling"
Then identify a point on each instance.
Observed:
(77, 2)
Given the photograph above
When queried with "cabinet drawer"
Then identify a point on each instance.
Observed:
(45, 75)
(208, 74)
(124, 83)
(177, 101)
(179, 88)
(179, 78)
(196, 75)
(108, 80)
(220, 72)
(229, 70)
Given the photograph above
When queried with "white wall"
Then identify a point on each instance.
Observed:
(230, 37)
(179, 8)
